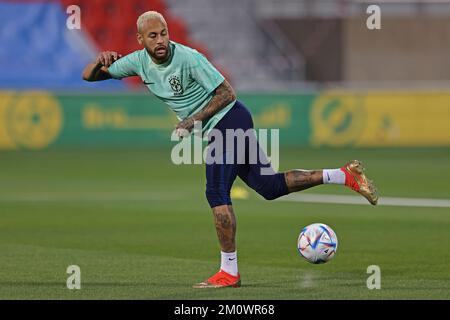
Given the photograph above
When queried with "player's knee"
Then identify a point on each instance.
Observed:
(273, 187)
(268, 194)
(217, 196)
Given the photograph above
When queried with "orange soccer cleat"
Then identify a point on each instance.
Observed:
(220, 280)
(357, 180)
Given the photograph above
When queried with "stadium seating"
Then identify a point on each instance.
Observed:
(105, 25)
(111, 25)
(39, 52)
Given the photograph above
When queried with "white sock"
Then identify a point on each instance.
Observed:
(229, 262)
(334, 176)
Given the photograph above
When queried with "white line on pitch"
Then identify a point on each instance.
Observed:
(383, 201)
(91, 196)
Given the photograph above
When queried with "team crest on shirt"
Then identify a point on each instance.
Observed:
(175, 84)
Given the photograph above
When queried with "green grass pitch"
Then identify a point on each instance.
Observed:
(140, 228)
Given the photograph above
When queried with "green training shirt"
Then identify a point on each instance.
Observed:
(185, 82)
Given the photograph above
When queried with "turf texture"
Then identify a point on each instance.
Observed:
(139, 227)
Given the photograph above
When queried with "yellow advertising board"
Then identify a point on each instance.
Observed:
(381, 119)
(38, 120)
(30, 120)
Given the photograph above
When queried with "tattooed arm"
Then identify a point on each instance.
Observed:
(223, 95)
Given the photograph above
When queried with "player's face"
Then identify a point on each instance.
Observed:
(154, 36)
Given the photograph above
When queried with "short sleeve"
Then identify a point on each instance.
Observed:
(204, 73)
(125, 67)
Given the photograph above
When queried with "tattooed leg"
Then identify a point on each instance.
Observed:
(225, 227)
(297, 180)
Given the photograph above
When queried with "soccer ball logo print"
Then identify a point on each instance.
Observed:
(175, 84)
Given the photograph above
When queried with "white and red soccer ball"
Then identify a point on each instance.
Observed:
(317, 243)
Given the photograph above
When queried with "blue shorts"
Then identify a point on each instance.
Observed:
(220, 176)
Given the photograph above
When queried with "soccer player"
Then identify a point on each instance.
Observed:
(190, 85)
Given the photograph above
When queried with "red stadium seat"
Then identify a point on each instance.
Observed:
(177, 30)
(146, 5)
(112, 24)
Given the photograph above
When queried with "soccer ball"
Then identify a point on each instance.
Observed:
(317, 243)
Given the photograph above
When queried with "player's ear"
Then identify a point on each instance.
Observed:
(139, 38)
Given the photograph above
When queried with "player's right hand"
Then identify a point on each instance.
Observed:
(106, 58)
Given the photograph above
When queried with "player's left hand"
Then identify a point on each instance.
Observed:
(184, 128)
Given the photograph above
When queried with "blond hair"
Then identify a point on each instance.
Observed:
(149, 15)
